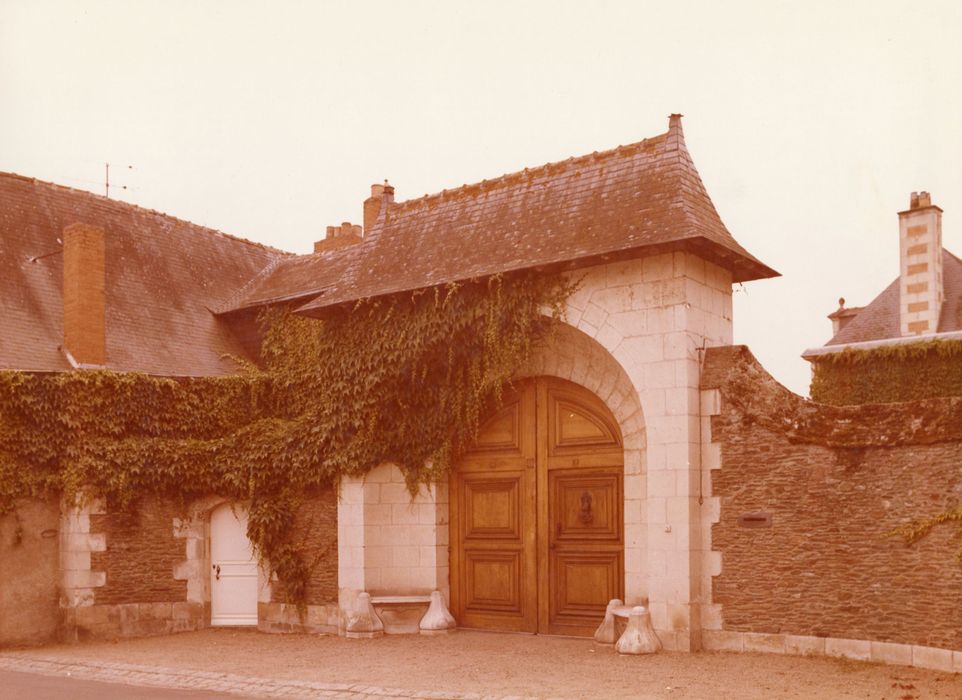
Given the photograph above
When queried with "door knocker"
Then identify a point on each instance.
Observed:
(585, 516)
(217, 572)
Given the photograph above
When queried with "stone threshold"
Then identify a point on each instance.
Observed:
(248, 686)
(932, 658)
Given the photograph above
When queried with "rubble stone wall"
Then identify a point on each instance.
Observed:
(834, 481)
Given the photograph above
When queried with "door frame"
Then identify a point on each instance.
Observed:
(536, 445)
(248, 619)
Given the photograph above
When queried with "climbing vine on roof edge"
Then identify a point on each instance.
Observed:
(889, 373)
(402, 379)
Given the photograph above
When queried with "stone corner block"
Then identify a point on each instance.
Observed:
(932, 658)
(803, 645)
(722, 640)
(710, 402)
(892, 653)
(767, 643)
(858, 649)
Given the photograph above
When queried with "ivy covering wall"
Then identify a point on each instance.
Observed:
(889, 374)
(402, 379)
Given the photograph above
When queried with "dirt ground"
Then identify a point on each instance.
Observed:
(506, 664)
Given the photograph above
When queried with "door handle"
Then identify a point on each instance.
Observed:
(217, 572)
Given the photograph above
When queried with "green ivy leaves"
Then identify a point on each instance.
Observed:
(888, 374)
(403, 379)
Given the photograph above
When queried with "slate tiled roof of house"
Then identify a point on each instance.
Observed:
(879, 320)
(162, 276)
(632, 200)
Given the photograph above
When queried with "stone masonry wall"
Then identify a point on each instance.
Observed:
(316, 528)
(140, 556)
(29, 573)
(834, 481)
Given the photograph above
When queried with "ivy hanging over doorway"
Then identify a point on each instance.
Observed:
(402, 379)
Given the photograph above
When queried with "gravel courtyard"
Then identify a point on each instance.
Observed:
(503, 664)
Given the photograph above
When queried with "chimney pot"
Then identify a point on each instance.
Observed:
(925, 200)
(381, 197)
(914, 200)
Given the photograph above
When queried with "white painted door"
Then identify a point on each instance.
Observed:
(233, 576)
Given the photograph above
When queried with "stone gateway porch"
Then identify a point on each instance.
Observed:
(631, 346)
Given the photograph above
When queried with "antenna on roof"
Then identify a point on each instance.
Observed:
(107, 179)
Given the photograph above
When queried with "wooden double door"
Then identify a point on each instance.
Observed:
(537, 533)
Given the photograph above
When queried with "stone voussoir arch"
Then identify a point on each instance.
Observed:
(569, 353)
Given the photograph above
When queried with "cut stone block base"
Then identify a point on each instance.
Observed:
(281, 618)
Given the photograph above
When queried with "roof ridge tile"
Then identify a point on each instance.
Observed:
(102, 201)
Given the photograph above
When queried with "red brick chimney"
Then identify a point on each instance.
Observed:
(84, 295)
(381, 197)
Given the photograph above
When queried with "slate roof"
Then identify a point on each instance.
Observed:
(879, 320)
(633, 200)
(163, 276)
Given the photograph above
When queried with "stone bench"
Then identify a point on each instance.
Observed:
(638, 637)
(400, 614)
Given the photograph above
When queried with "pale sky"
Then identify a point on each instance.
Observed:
(810, 122)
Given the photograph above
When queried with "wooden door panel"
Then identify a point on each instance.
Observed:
(582, 519)
(576, 427)
(578, 422)
(233, 568)
(492, 523)
(494, 582)
(492, 507)
(585, 506)
(584, 582)
(501, 432)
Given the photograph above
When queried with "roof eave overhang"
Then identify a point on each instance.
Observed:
(289, 299)
(742, 267)
(813, 354)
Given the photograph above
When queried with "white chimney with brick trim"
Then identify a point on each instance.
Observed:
(920, 273)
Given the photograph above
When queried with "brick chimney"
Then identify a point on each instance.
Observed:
(381, 197)
(84, 295)
(339, 236)
(920, 260)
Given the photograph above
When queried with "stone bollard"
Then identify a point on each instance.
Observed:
(364, 623)
(606, 632)
(437, 620)
(639, 637)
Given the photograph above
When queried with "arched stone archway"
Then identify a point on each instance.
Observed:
(569, 353)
